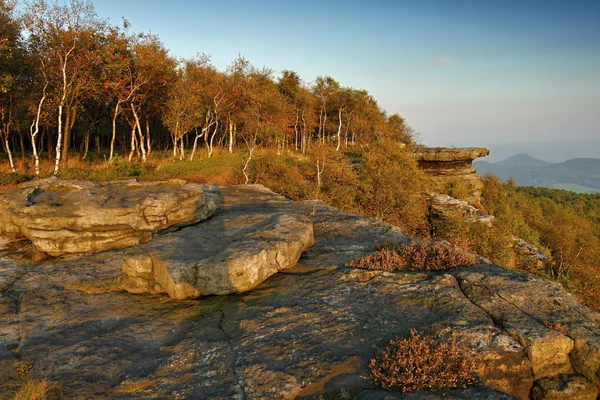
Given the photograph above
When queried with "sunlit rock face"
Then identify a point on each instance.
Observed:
(448, 168)
(307, 331)
(228, 254)
(61, 217)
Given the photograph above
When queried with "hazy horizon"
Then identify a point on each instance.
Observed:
(461, 72)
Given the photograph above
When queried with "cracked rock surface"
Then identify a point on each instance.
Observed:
(305, 332)
(62, 217)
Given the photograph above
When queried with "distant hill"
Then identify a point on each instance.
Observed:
(522, 161)
(578, 174)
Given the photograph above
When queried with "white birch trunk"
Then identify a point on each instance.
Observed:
(339, 131)
(142, 144)
(212, 138)
(230, 137)
(133, 144)
(114, 132)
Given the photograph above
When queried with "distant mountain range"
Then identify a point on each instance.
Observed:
(578, 174)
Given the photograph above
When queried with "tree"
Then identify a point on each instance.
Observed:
(152, 76)
(62, 37)
(323, 89)
(11, 56)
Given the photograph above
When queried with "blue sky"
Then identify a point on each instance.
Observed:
(461, 72)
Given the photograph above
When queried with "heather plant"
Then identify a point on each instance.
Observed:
(421, 363)
(420, 256)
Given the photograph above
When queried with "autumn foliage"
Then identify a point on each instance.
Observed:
(421, 363)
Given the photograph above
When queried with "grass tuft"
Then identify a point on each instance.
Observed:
(95, 286)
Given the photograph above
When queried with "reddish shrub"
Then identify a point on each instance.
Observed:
(421, 363)
(421, 256)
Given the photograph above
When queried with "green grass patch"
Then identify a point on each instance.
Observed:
(220, 169)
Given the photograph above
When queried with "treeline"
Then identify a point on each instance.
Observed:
(71, 81)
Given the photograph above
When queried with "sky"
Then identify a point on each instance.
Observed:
(463, 73)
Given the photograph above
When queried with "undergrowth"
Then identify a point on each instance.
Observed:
(419, 256)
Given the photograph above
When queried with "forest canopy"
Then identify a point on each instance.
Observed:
(69, 81)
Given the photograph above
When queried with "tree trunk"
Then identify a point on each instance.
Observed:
(148, 143)
(133, 144)
(22, 145)
(198, 137)
(230, 136)
(86, 143)
(11, 162)
(303, 144)
(114, 132)
(339, 131)
(212, 138)
(35, 129)
(58, 140)
(139, 130)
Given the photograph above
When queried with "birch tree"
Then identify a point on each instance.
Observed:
(59, 35)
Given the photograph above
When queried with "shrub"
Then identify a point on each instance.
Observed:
(421, 363)
(420, 256)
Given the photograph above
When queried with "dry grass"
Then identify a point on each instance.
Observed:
(419, 256)
(33, 389)
(421, 363)
(95, 286)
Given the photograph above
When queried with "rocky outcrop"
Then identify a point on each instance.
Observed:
(450, 169)
(444, 208)
(229, 254)
(307, 331)
(62, 217)
(529, 256)
(444, 211)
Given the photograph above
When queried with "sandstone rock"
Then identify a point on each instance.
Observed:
(547, 349)
(228, 255)
(529, 255)
(443, 208)
(307, 331)
(572, 387)
(62, 217)
(451, 167)
(450, 154)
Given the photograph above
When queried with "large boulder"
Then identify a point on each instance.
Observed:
(62, 217)
(229, 254)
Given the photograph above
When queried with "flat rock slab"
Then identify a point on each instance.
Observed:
(447, 154)
(228, 254)
(61, 217)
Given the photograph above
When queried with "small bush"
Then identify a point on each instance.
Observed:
(420, 256)
(421, 363)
